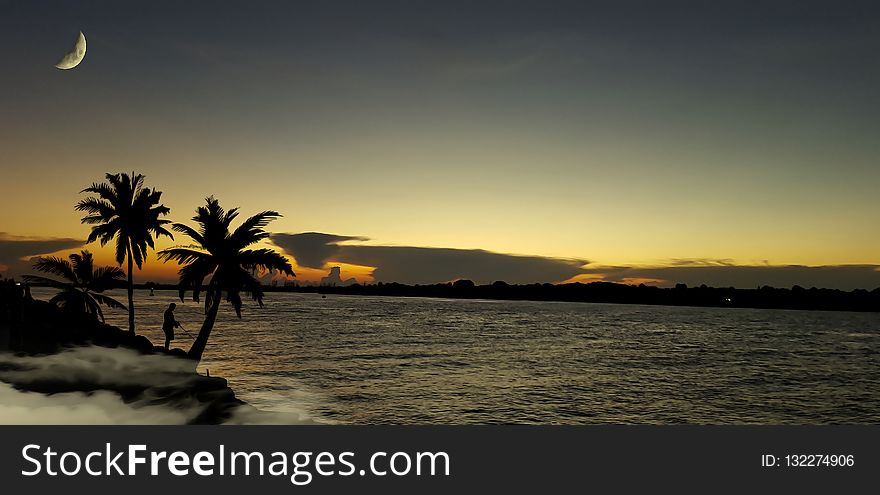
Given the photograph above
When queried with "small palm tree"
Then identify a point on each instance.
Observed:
(126, 210)
(221, 255)
(83, 285)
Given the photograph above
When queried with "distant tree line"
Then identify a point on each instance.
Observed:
(606, 292)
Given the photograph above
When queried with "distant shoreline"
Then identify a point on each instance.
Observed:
(798, 298)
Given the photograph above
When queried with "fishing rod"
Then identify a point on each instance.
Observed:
(184, 330)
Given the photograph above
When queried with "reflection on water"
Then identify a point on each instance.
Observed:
(408, 360)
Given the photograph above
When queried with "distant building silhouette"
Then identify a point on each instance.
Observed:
(335, 278)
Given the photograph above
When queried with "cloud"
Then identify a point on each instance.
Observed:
(312, 249)
(16, 251)
(722, 273)
(425, 265)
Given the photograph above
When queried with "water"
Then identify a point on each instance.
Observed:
(353, 359)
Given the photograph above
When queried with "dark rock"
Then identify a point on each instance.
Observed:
(34, 328)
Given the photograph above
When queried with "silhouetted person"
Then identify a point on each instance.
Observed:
(169, 325)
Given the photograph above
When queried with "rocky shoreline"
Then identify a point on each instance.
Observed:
(34, 333)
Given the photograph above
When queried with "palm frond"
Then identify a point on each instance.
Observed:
(76, 294)
(108, 301)
(158, 210)
(124, 208)
(229, 217)
(193, 275)
(252, 230)
(36, 279)
(136, 183)
(56, 266)
(158, 230)
(121, 248)
(189, 231)
(92, 219)
(104, 191)
(212, 209)
(82, 266)
(139, 251)
(266, 260)
(182, 255)
(95, 308)
(106, 277)
(254, 288)
(220, 255)
(233, 297)
(105, 231)
(63, 299)
(96, 207)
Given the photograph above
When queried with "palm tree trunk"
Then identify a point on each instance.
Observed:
(198, 347)
(130, 291)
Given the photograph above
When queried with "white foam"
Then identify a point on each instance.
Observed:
(106, 367)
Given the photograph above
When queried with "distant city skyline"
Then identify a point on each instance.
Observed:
(634, 142)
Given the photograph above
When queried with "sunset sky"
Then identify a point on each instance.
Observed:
(627, 141)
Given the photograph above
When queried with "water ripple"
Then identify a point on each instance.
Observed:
(410, 360)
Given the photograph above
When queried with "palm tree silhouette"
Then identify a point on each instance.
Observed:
(82, 290)
(221, 255)
(128, 211)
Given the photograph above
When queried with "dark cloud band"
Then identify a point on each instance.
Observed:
(16, 251)
(425, 265)
(722, 274)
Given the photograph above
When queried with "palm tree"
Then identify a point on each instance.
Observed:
(84, 284)
(128, 211)
(221, 255)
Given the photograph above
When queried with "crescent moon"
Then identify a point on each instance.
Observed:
(75, 56)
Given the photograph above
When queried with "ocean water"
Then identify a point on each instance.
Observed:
(351, 359)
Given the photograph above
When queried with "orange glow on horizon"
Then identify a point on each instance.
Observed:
(647, 281)
(154, 270)
(585, 278)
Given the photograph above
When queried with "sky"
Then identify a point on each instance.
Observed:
(726, 143)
